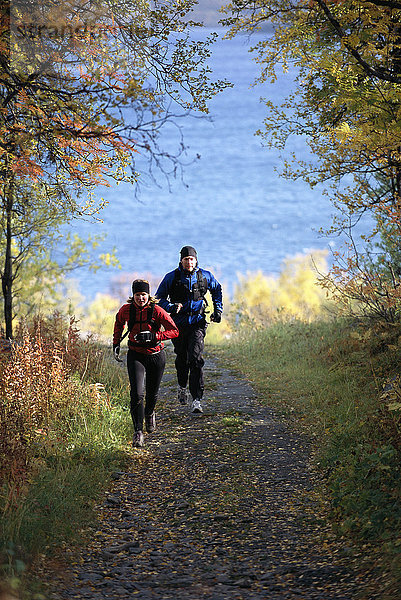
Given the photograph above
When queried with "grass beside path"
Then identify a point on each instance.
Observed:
(217, 507)
(327, 380)
(49, 495)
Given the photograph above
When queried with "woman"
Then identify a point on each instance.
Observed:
(145, 354)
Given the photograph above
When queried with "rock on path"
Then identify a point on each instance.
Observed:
(215, 507)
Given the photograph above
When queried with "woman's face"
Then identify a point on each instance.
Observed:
(141, 298)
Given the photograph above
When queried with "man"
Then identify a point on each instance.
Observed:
(182, 294)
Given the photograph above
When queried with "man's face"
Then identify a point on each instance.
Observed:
(189, 263)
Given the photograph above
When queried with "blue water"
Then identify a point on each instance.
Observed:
(234, 209)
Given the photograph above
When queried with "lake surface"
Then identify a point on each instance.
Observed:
(234, 209)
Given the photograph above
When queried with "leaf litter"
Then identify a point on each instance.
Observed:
(221, 506)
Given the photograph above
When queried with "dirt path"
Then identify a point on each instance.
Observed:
(214, 507)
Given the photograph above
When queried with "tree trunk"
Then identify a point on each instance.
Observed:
(7, 278)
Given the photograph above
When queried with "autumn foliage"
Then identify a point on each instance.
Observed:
(41, 394)
(346, 57)
(86, 88)
(261, 300)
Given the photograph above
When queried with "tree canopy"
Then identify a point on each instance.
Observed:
(84, 88)
(347, 104)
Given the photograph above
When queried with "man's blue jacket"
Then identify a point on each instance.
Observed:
(192, 310)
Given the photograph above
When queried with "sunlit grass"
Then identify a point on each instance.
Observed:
(327, 379)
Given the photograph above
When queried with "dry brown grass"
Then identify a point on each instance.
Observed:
(41, 390)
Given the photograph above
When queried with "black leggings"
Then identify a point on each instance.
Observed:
(188, 347)
(139, 365)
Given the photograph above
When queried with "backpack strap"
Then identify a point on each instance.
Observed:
(201, 291)
(202, 284)
(176, 291)
(149, 319)
(132, 316)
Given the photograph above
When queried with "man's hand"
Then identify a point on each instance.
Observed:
(176, 308)
(146, 338)
(216, 316)
(116, 352)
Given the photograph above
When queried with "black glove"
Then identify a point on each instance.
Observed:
(216, 316)
(146, 338)
(116, 352)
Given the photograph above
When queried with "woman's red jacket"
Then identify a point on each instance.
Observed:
(162, 322)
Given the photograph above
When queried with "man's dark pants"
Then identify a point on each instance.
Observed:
(189, 362)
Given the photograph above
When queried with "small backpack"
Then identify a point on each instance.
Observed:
(180, 293)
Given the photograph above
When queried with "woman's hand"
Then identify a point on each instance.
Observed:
(116, 352)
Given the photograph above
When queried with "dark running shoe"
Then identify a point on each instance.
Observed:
(150, 423)
(182, 396)
(137, 442)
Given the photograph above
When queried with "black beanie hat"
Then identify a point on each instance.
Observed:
(188, 251)
(139, 285)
